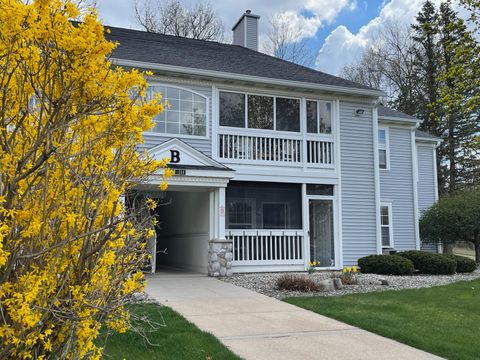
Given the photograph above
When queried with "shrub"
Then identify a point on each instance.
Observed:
(464, 264)
(430, 263)
(296, 283)
(385, 265)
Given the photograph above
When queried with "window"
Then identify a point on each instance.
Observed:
(383, 148)
(317, 189)
(232, 109)
(275, 215)
(240, 213)
(259, 112)
(287, 114)
(386, 225)
(186, 113)
(258, 205)
(319, 117)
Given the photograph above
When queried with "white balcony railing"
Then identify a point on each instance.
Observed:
(276, 148)
(267, 247)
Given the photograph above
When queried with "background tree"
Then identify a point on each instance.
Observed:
(172, 18)
(285, 42)
(388, 64)
(70, 253)
(454, 218)
(433, 72)
(458, 103)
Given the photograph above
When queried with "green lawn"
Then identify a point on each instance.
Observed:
(170, 335)
(443, 320)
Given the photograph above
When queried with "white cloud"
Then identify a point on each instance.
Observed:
(342, 47)
(307, 15)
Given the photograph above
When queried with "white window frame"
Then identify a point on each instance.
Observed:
(390, 224)
(250, 201)
(274, 96)
(385, 147)
(207, 117)
(332, 125)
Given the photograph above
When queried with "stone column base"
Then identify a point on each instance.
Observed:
(220, 257)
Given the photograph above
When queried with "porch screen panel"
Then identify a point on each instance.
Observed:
(255, 205)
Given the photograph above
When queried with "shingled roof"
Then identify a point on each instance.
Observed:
(141, 46)
(384, 111)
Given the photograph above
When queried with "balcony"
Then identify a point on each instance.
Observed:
(276, 149)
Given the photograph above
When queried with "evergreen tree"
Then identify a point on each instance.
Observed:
(427, 63)
(458, 105)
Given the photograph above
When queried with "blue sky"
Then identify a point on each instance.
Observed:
(337, 30)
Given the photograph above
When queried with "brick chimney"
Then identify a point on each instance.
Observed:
(245, 31)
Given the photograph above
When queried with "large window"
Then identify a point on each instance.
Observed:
(259, 112)
(254, 205)
(319, 117)
(185, 114)
(386, 225)
(232, 109)
(383, 148)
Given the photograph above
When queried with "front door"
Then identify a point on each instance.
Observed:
(322, 241)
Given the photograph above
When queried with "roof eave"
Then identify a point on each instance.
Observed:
(243, 77)
(399, 120)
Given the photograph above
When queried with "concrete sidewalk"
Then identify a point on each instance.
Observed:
(255, 326)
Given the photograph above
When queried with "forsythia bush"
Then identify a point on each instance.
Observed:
(70, 254)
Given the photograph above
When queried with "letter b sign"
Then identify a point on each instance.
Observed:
(174, 156)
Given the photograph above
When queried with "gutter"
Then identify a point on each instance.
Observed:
(242, 77)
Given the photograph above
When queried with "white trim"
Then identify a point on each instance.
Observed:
(306, 226)
(244, 77)
(207, 113)
(215, 122)
(192, 152)
(435, 182)
(338, 188)
(390, 225)
(415, 188)
(399, 119)
(435, 179)
(377, 179)
(387, 146)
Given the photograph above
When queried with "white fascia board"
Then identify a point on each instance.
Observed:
(243, 77)
(390, 119)
(428, 141)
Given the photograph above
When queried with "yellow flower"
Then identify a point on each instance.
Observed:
(344, 270)
(354, 269)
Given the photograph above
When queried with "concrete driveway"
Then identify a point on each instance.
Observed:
(255, 326)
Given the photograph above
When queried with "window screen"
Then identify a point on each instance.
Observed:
(232, 109)
(273, 206)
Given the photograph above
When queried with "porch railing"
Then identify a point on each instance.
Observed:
(267, 247)
(276, 148)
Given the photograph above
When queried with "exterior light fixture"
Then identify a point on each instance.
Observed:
(359, 112)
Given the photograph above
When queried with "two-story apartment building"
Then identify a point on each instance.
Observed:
(276, 164)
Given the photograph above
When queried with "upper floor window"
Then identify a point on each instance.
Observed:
(383, 148)
(259, 112)
(185, 114)
(386, 225)
(319, 117)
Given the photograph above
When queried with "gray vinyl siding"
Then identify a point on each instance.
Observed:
(239, 34)
(252, 33)
(202, 144)
(358, 183)
(396, 187)
(426, 183)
